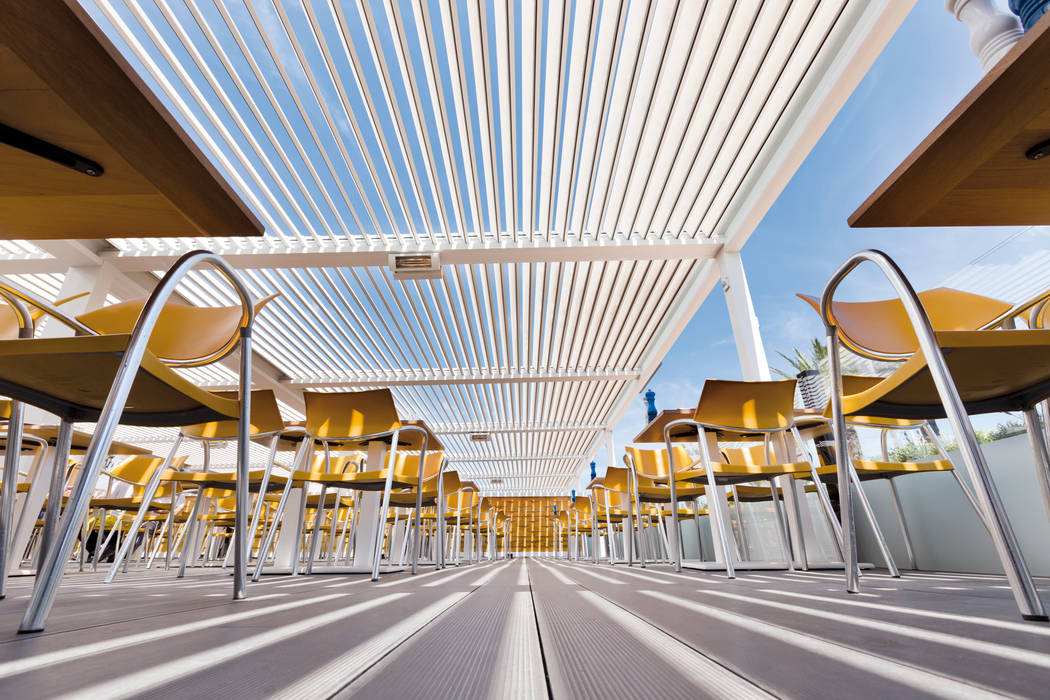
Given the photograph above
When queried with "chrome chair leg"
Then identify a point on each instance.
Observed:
(903, 525)
(318, 522)
(10, 484)
(869, 513)
(696, 522)
(671, 482)
(63, 443)
(1039, 451)
(716, 505)
(190, 546)
(384, 506)
(147, 499)
(300, 524)
(98, 539)
(782, 530)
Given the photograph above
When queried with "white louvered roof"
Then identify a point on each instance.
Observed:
(577, 166)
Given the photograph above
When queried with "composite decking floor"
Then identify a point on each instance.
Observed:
(527, 628)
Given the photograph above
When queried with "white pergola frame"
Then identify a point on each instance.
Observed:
(520, 338)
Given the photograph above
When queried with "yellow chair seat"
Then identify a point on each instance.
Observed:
(1002, 370)
(726, 473)
(130, 503)
(225, 481)
(870, 469)
(360, 481)
(71, 377)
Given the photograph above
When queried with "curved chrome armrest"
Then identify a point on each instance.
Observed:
(916, 312)
(155, 303)
(17, 301)
(18, 298)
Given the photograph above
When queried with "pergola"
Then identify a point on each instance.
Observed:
(563, 183)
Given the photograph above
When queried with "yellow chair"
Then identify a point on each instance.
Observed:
(266, 425)
(615, 507)
(138, 472)
(461, 515)
(945, 373)
(739, 411)
(125, 375)
(349, 420)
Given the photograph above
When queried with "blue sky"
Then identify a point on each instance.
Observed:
(924, 71)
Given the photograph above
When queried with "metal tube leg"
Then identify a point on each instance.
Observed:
(271, 532)
(716, 505)
(869, 513)
(1039, 452)
(240, 513)
(903, 524)
(189, 543)
(318, 522)
(10, 484)
(300, 523)
(785, 539)
(260, 499)
(98, 539)
(738, 510)
(63, 441)
(842, 458)
(671, 481)
(699, 537)
(822, 492)
(417, 528)
(147, 499)
(384, 505)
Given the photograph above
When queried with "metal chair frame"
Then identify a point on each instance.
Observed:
(999, 527)
(49, 574)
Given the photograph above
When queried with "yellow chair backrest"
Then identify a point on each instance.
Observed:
(10, 324)
(617, 479)
(408, 465)
(747, 405)
(338, 464)
(138, 469)
(266, 418)
(880, 329)
(750, 455)
(350, 414)
(184, 335)
(652, 463)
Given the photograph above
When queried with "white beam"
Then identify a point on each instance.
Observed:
(861, 33)
(420, 377)
(468, 428)
(291, 254)
(510, 458)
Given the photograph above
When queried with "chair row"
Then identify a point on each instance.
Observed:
(956, 354)
(119, 365)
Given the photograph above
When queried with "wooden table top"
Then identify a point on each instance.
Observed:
(972, 169)
(64, 83)
(654, 431)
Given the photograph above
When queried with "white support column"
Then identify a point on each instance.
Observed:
(755, 367)
(749, 347)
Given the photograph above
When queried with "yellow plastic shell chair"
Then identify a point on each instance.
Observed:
(110, 378)
(351, 419)
(735, 411)
(951, 374)
(266, 424)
